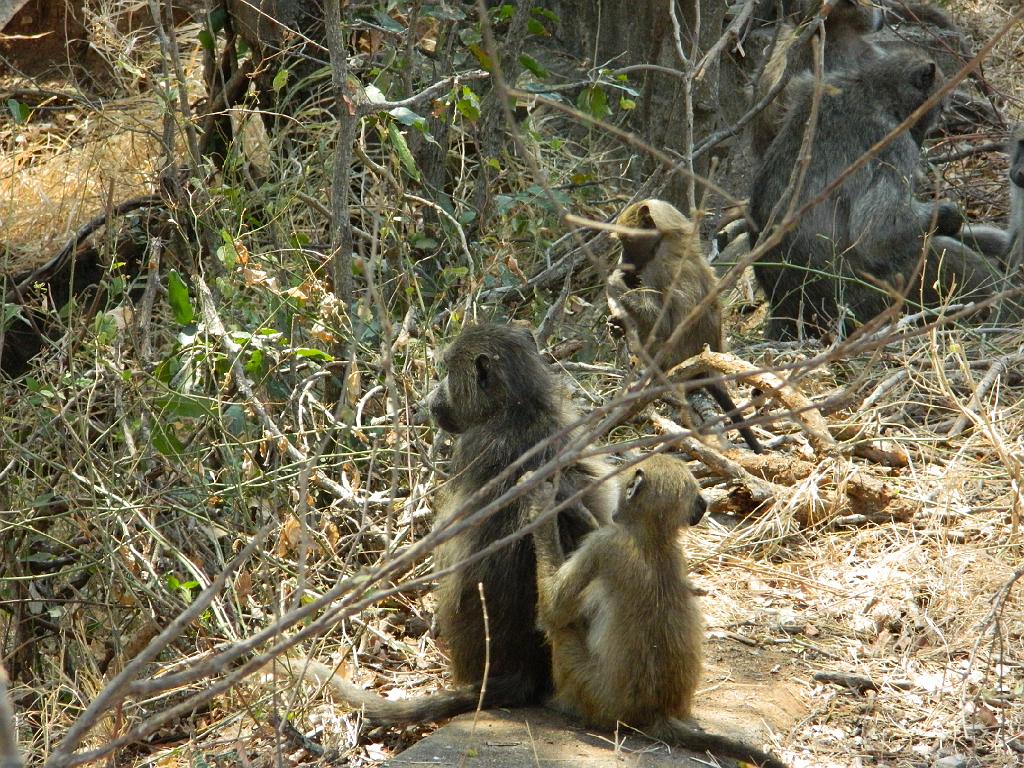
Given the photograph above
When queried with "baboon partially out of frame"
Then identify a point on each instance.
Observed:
(661, 277)
(831, 272)
(1007, 245)
(499, 399)
(625, 628)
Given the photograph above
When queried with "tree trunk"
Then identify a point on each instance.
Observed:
(618, 34)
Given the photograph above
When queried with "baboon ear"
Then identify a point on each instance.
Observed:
(646, 218)
(700, 506)
(635, 484)
(527, 335)
(483, 370)
(923, 76)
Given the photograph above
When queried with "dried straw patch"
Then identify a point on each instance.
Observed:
(915, 607)
(51, 184)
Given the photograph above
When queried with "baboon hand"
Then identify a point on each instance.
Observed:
(543, 499)
(616, 327)
(948, 218)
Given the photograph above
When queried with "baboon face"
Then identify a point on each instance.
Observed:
(858, 15)
(661, 489)
(1017, 157)
(923, 78)
(638, 250)
(494, 373)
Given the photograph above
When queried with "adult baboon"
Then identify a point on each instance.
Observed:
(499, 399)
(1016, 258)
(839, 264)
(847, 24)
(661, 278)
(625, 629)
(1005, 244)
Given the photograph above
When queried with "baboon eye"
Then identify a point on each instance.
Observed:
(634, 484)
(483, 368)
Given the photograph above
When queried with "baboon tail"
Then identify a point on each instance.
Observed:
(693, 737)
(500, 692)
(725, 402)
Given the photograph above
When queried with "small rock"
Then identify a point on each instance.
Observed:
(950, 761)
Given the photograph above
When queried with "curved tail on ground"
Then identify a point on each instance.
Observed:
(509, 691)
(695, 738)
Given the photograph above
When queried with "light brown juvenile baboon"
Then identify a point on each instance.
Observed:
(847, 25)
(499, 399)
(830, 272)
(625, 629)
(660, 278)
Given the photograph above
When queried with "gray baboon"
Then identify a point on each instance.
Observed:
(847, 24)
(868, 236)
(661, 277)
(500, 400)
(1005, 244)
(625, 629)
(1016, 258)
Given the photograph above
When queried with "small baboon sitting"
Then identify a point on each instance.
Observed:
(847, 25)
(662, 276)
(500, 399)
(625, 628)
(835, 269)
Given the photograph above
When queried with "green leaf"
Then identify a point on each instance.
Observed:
(505, 12)
(186, 406)
(626, 104)
(206, 40)
(424, 244)
(407, 117)
(398, 142)
(19, 111)
(469, 105)
(165, 441)
(388, 23)
(593, 101)
(255, 365)
(280, 80)
(178, 298)
(533, 65)
(314, 354)
(481, 56)
(217, 18)
(534, 27)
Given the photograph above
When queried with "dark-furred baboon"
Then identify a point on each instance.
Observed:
(626, 631)
(499, 399)
(869, 234)
(846, 28)
(661, 277)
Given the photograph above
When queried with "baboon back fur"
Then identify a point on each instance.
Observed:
(871, 228)
(501, 399)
